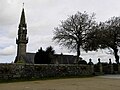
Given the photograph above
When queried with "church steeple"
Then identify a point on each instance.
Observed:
(22, 39)
(22, 20)
(22, 32)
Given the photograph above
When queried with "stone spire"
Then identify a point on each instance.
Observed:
(22, 39)
(22, 19)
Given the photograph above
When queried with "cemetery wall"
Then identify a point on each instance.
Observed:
(13, 71)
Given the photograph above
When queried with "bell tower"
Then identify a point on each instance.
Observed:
(22, 39)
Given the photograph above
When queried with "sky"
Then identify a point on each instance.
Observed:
(42, 16)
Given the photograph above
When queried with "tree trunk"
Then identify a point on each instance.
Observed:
(78, 52)
(116, 55)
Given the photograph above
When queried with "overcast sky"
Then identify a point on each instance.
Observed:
(42, 16)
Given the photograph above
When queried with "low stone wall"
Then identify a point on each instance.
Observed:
(13, 71)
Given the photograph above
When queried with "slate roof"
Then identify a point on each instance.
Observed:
(65, 59)
(58, 59)
(30, 58)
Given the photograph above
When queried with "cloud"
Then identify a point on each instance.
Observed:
(10, 50)
(8, 15)
(99, 54)
(37, 41)
(6, 41)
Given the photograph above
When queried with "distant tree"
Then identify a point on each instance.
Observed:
(44, 57)
(39, 57)
(107, 35)
(73, 32)
(111, 35)
(50, 50)
(50, 53)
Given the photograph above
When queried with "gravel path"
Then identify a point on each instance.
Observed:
(93, 83)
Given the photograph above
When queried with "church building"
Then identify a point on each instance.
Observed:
(22, 40)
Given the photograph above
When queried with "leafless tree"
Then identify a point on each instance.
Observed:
(109, 35)
(73, 32)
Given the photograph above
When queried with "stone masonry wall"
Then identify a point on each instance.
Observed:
(13, 71)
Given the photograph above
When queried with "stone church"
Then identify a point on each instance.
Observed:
(22, 40)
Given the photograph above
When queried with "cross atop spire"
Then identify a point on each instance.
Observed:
(23, 4)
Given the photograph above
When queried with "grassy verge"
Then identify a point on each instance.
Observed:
(43, 78)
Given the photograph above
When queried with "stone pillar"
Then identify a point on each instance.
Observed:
(91, 66)
(118, 68)
(100, 66)
(111, 66)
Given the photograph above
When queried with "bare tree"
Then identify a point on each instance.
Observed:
(109, 35)
(73, 32)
